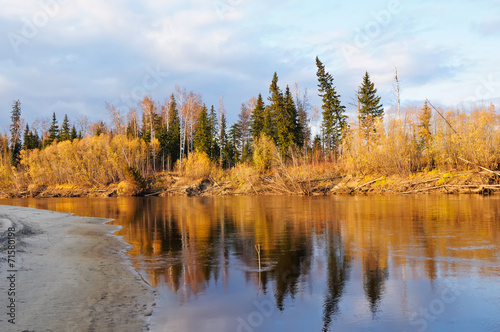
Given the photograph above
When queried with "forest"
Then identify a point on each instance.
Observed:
(181, 146)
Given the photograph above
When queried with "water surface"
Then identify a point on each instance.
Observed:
(418, 263)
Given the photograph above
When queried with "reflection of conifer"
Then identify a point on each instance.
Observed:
(373, 282)
(338, 273)
(290, 266)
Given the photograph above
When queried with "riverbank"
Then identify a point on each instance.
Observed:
(244, 181)
(67, 273)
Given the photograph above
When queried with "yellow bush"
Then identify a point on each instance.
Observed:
(91, 161)
(196, 166)
(245, 173)
(128, 188)
(5, 176)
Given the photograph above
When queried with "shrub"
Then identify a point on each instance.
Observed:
(196, 166)
(263, 152)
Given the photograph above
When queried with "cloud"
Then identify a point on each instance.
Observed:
(91, 51)
(489, 26)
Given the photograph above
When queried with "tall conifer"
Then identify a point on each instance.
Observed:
(15, 133)
(334, 119)
(370, 108)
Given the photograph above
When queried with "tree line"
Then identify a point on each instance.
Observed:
(183, 124)
(159, 136)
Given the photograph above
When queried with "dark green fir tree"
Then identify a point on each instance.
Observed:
(202, 134)
(53, 130)
(65, 132)
(15, 133)
(334, 118)
(370, 108)
(257, 118)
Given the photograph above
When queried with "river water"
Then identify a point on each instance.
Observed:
(390, 263)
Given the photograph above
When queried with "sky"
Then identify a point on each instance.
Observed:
(72, 56)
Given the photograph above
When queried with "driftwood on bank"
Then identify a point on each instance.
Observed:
(481, 167)
(322, 179)
(423, 189)
(365, 184)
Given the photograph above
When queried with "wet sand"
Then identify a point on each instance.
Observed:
(67, 273)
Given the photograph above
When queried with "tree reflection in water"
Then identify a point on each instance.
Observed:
(311, 248)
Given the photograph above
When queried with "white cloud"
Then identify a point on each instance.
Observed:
(92, 51)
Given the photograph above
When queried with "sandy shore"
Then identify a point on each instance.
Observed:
(67, 273)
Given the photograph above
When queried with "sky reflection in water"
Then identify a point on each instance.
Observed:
(342, 263)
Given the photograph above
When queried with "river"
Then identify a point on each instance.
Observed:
(281, 263)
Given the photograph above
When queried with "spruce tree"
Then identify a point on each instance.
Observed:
(100, 128)
(53, 130)
(35, 140)
(31, 139)
(282, 117)
(174, 131)
(268, 127)
(334, 119)
(169, 134)
(214, 129)
(293, 129)
(222, 140)
(257, 118)
(73, 135)
(287, 125)
(302, 105)
(15, 133)
(370, 108)
(202, 135)
(27, 138)
(234, 146)
(274, 109)
(64, 133)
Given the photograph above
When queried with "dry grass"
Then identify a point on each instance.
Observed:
(397, 149)
(196, 167)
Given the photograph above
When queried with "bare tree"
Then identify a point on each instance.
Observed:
(149, 112)
(181, 100)
(44, 126)
(165, 112)
(303, 106)
(397, 90)
(189, 106)
(83, 124)
(194, 108)
(133, 122)
(117, 126)
(244, 121)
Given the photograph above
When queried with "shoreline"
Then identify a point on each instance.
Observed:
(168, 184)
(68, 273)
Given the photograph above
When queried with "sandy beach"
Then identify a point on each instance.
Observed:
(59, 272)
